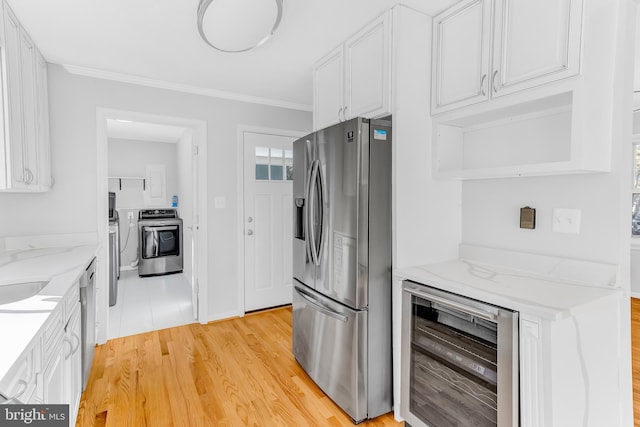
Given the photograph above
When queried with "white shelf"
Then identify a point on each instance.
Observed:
(134, 178)
(542, 136)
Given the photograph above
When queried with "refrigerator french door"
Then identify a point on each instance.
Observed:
(342, 263)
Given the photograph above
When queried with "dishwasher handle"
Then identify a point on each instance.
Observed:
(86, 279)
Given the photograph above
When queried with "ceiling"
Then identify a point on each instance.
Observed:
(157, 41)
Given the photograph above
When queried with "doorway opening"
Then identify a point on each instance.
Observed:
(154, 166)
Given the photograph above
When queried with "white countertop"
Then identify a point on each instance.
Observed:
(552, 296)
(22, 320)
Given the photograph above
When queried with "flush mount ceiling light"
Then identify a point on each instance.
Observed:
(238, 25)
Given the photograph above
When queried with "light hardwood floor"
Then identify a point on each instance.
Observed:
(238, 372)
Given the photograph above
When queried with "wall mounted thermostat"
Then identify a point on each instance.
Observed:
(528, 218)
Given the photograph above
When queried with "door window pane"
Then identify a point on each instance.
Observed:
(262, 163)
(288, 164)
(262, 172)
(276, 172)
(274, 164)
(276, 155)
(635, 215)
(635, 197)
(636, 167)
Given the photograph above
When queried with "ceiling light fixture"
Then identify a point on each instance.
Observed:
(238, 25)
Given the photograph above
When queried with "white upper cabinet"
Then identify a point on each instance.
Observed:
(44, 143)
(533, 43)
(509, 88)
(355, 78)
(28, 86)
(16, 169)
(328, 90)
(25, 162)
(367, 62)
(461, 46)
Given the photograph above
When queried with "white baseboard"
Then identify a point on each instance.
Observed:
(222, 316)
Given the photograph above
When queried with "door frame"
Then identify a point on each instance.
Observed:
(199, 140)
(242, 129)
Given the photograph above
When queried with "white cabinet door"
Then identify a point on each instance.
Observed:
(29, 102)
(535, 42)
(44, 144)
(368, 71)
(18, 176)
(531, 372)
(25, 162)
(328, 90)
(20, 383)
(54, 379)
(461, 47)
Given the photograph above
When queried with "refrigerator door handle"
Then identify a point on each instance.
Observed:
(319, 306)
(323, 212)
(308, 213)
(311, 211)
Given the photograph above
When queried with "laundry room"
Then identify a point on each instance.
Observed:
(149, 179)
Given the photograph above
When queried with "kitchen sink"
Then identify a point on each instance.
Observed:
(19, 291)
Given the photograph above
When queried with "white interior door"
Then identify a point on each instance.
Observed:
(268, 226)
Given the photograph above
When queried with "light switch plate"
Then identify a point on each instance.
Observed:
(566, 220)
(219, 202)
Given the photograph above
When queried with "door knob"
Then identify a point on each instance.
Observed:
(250, 219)
(250, 232)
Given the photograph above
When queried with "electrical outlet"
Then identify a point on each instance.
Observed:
(566, 220)
(130, 215)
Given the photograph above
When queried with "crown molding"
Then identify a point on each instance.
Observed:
(143, 81)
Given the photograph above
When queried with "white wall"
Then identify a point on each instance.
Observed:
(70, 207)
(426, 211)
(491, 215)
(129, 158)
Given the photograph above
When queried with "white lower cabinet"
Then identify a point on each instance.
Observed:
(568, 369)
(20, 384)
(53, 376)
(531, 409)
(50, 370)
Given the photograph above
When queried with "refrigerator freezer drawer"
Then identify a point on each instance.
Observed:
(329, 342)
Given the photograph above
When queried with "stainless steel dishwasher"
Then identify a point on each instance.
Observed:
(88, 313)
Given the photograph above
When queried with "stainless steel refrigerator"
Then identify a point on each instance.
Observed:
(342, 263)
